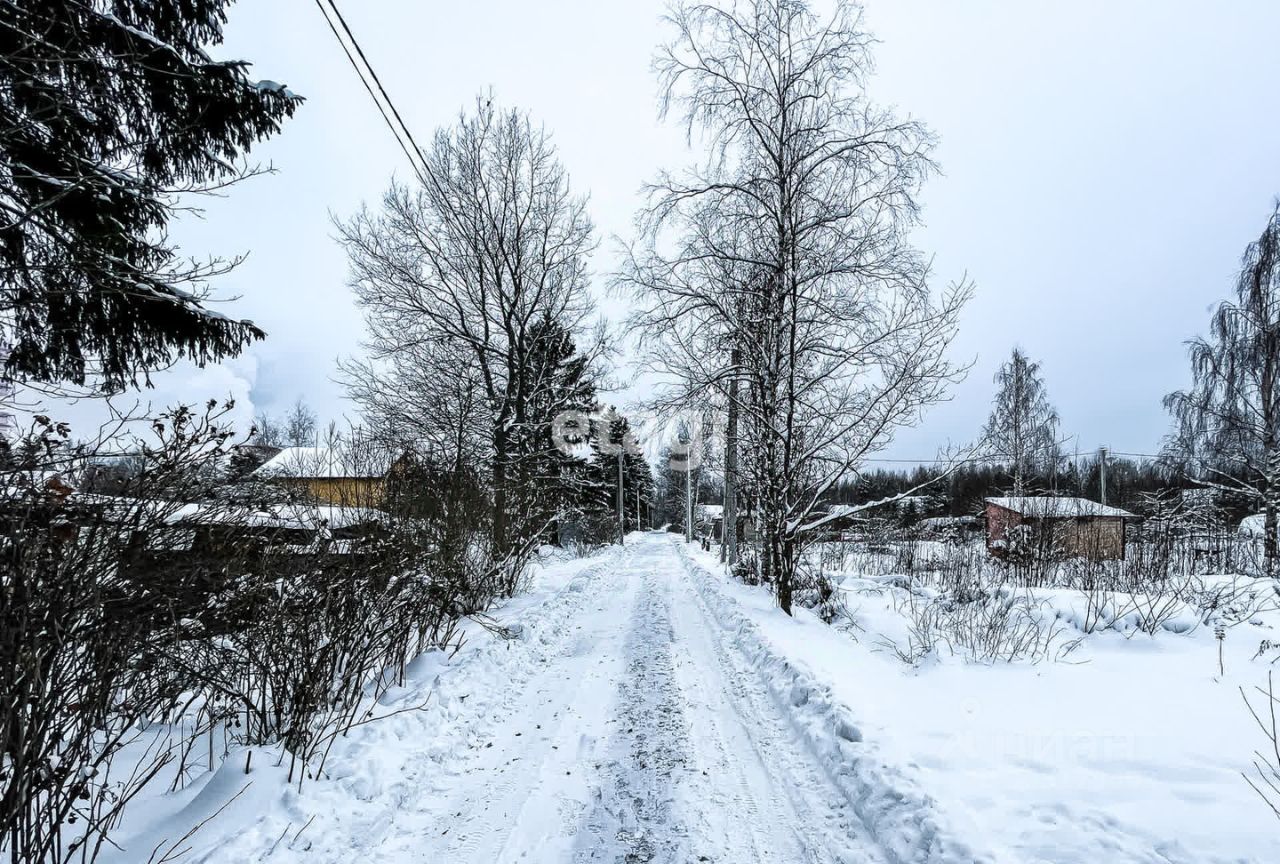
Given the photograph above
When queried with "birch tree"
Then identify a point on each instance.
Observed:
(1023, 427)
(805, 200)
(1228, 423)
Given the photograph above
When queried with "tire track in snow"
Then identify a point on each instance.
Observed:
(703, 766)
(534, 768)
(632, 819)
(779, 806)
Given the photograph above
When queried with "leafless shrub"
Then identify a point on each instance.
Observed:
(187, 614)
(80, 630)
(816, 591)
(986, 624)
(1266, 764)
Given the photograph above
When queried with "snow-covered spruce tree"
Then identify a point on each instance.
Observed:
(109, 113)
(841, 340)
(1023, 426)
(457, 277)
(614, 443)
(1227, 433)
(548, 482)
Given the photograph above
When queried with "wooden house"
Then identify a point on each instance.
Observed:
(328, 476)
(1076, 527)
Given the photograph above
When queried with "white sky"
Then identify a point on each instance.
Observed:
(1105, 165)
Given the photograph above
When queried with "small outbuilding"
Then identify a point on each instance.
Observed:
(839, 520)
(1077, 527)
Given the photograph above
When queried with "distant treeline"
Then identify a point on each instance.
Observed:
(1130, 485)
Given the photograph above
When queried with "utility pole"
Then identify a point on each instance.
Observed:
(1102, 475)
(729, 520)
(688, 495)
(638, 526)
(622, 520)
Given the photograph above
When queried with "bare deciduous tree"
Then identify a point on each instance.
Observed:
(266, 431)
(300, 426)
(458, 278)
(1023, 426)
(808, 194)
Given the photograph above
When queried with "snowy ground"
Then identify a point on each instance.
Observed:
(1130, 749)
(651, 710)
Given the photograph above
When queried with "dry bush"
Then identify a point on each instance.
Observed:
(80, 631)
(1266, 764)
(186, 614)
(982, 623)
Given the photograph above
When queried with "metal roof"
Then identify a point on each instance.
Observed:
(1053, 507)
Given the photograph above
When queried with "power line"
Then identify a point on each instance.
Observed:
(934, 460)
(376, 80)
(398, 127)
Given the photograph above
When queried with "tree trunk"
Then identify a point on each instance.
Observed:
(1271, 453)
(786, 572)
(1269, 541)
(1270, 508)
(688, 493)
(499, 528)
(622, 518)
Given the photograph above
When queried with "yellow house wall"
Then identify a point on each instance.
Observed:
(347, 491)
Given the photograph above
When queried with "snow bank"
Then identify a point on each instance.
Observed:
(901, 817)
(1129, 750)
(448, 703)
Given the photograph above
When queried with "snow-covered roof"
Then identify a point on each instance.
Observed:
(278, 516)
(1255, 525)
(849, 509)
(1053, 507)
(316, 463)
(947, 521)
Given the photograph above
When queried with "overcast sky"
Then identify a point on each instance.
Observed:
(1105, 165)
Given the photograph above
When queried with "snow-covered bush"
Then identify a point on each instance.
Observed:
(814, 590)
(189, 614)
(747, 569)
(982, 623)
(83, 625)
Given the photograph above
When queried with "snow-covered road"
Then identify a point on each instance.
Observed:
(637, 716)
(645, 736)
